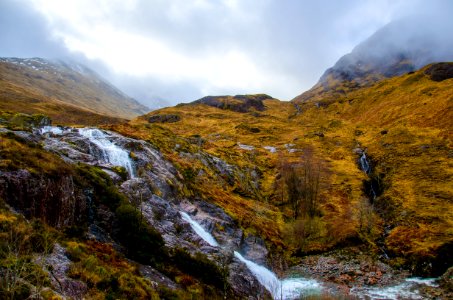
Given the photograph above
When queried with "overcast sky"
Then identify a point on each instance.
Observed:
(181, 50)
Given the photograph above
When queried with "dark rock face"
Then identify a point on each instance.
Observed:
(58, 201)
(169, 118)
(440, 71)
(238, 103)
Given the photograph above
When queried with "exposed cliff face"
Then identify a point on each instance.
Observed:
(58, 201)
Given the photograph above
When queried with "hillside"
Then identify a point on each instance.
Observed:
(403, 124)
(362, 182)
(36, 85)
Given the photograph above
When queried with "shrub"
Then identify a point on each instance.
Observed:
(199, 266)
(105, 191)
(144, 243)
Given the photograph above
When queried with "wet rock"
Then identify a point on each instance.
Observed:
(244, 284)
(98, 234)
(165, 218)
(254, 249)
(57, 200)
(26, 136)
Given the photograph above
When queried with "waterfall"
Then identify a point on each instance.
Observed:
(364, 164)
(289, 288)
(206, 236)
(267, 278)
(110, 152)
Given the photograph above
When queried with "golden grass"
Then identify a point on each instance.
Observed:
(405, 123)
(14, 98)
(66, 86)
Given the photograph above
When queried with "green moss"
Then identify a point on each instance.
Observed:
(121, 171)
(104, 190)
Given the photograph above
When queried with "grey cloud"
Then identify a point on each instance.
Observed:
(295, 39)
(24, 33)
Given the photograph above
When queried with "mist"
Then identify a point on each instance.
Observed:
(166, 52)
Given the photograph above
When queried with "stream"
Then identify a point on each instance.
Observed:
(111, 153)
(102, 146)
(289, 288)
(293, 288)
(107, 151)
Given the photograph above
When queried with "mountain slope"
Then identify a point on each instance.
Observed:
(403, 124)
(60, 82)
(394, 50)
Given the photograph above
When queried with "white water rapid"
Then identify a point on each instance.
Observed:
(290, 288)
(111, 153)
(408, 289)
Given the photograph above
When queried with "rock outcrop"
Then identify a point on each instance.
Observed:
(58, 201)
(153, 186)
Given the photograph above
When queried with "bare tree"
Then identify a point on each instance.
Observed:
(301, 181)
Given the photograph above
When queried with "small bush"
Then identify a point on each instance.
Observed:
(199, 266)
(143, 242)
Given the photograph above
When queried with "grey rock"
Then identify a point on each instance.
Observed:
(57, 265)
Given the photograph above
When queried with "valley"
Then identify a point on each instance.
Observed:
(344, 192)
(345, 198)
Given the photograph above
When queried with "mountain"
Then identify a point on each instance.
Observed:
(394, 50)
(212, 199)
(57, 83)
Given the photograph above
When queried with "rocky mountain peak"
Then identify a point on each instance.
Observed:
(397, 48)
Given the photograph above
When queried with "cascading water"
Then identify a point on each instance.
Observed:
(51, 129)
(206, 236)
(111, 153)
(408, 289)
(290, 288)
(364, 164)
